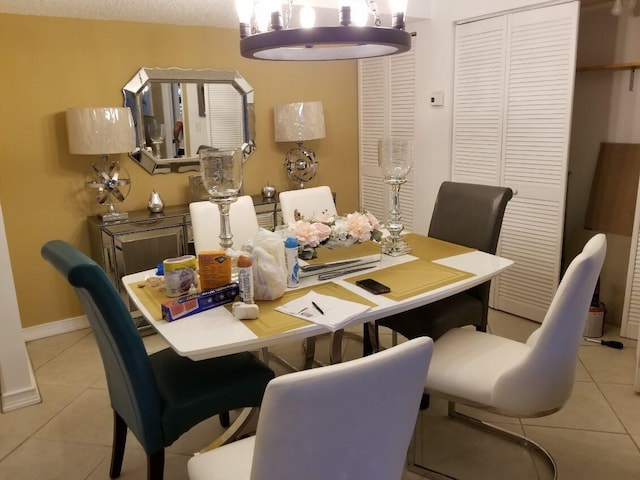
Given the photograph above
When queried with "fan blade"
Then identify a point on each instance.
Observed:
(102, 196)
(118, 194)
(101, 174)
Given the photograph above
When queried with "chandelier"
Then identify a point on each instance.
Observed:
(265, 32)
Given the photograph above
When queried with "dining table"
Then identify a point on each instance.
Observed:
(432, 271)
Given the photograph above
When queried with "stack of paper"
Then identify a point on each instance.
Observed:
(326, 310)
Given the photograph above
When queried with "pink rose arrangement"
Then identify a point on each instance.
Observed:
(336, 231)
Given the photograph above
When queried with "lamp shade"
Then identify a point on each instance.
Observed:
(297, 122)
(100, 131)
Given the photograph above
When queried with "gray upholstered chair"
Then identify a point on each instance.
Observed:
(515, 379)
(160, 396)
(466, 214)
(349, 421)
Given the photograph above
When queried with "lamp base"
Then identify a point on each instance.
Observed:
(300, 164)
(395, 247)
(110, 217)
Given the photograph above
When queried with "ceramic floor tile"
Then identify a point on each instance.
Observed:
(88, 420)
(134, 466)
(588, 455)
(636, 438)
(9, 443)
(50, 460)
(62, 341)
(25, 421)
(80, 365)
(581, 373)
(626, 403)
(454, 448)
(505, 325)
(608, 365)
(586, 409)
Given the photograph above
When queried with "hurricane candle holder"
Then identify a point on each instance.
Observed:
(222, 179)
(395, 160)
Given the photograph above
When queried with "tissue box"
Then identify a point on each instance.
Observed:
(199, 302)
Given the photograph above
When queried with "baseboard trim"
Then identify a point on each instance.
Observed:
(55, 328)
(21, 398)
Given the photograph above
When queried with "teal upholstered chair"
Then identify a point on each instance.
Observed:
(160, 396)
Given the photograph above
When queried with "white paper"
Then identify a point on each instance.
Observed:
(331, 312)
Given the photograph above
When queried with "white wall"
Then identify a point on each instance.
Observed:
(604, 111)
(435, 73)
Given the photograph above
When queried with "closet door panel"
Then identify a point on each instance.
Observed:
(541, 68)
(512, 110)
(480, 60)
(387, 90)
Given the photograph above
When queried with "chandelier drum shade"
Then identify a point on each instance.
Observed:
(299, 122)
(265, 36)
(103, 131)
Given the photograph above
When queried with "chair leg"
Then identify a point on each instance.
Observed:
(117, 448)
(155, 465)
(426, 472)
(225, 421)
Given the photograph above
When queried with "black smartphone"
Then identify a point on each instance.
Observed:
(370, 285)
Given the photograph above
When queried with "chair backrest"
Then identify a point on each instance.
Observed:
(205, 221)
(352, 420)
(308, 201)
(543, 382)
(132, 387)
(469, 214)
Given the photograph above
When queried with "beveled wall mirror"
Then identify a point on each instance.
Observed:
(176, 111)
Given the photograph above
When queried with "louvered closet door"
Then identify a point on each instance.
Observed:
(536, 116)
(225, 112)
(386, 89)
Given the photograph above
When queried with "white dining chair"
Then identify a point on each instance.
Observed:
(348, 421)
(514, 379)
(205, 221)
(308, 201)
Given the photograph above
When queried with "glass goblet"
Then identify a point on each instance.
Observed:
(221, 172)
(395, 160)
(156, 134)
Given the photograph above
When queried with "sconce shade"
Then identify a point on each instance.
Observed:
(298, 122)
(100, 131)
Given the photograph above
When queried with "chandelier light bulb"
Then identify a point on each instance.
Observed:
(244, 9)
(617, 8)
(398, 13)
(262, 15)
(307, 17)
(359, 14)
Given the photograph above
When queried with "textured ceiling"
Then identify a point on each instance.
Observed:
(216, 13)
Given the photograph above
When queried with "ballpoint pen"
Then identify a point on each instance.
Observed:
(315, 305)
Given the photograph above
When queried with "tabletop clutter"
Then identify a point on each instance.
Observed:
(258, 271)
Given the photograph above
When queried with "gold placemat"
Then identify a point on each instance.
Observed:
(428, 248)
(413, 278)
(270, 321)
(363, 249)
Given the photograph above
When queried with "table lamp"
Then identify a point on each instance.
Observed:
(298, 122)
(104, 131)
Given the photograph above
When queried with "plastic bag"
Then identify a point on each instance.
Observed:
(269, 269)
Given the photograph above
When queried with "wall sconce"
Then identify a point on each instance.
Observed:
(298, 122)
(104, 131)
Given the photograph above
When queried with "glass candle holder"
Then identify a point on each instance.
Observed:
(395, 160)
(221, 172)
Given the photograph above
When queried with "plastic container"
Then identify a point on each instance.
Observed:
(291, 260)
(594, 326)
(245, 278)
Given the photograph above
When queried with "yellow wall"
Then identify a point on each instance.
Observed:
(50, 64)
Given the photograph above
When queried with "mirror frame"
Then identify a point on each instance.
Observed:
(146, 75)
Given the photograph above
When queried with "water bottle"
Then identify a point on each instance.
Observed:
(291, 260)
